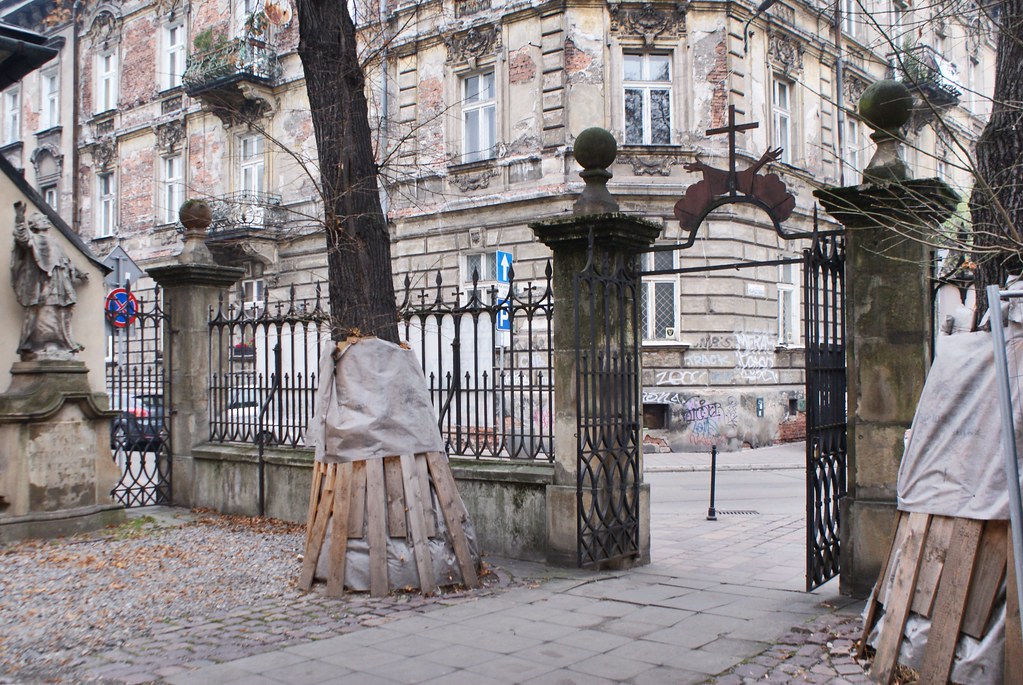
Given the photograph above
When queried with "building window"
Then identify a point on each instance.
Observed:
(852, 158)
(12, 116)
(478, 117)
(173, 65)
(246, 9)
(788, 304)
(781, 118)
(106, 205)
(659, 306)
(173, 190)
(252, 163)
(850, 13)
(50, 92)
(479, 277)
(252, 295)
(106, 82)
(50, 196)
(647, 99)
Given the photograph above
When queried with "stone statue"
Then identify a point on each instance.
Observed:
(43, 278)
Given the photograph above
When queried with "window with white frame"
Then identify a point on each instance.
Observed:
(788, 304)
(647, 99)
(853, 155)
(252, 294)
(781, 118)
(252, 163)
(479, 111)
(12, 115)
(106, 205)
(172, 191)
(172, 64)
(479, 276)
(106, 82)
(51, 196)
(245, 10)
(49, 91)
(659, 302)
(850, 16)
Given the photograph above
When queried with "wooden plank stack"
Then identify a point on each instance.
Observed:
(951, 571)
(377, 499)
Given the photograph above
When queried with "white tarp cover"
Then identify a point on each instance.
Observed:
(376, 406)
(953, 465)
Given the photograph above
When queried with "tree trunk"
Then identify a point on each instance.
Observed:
(362, 298)
(997, 210)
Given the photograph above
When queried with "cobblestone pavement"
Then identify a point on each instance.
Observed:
(213, 601)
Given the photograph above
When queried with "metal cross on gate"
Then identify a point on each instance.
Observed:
(731, 129)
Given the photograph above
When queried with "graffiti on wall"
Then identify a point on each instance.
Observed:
(754, 357)
(680, 377)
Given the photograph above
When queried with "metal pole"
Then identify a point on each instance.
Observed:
(994, 298)
(712, 514)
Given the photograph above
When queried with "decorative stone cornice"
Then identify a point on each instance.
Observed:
(648, 20)
(104, 154)
(37, 157)
(785, 53)
(472, 45)
(647, 165)
(105, 26)
(853, 86)
(464, 8)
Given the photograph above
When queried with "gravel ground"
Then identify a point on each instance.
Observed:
(117, 606)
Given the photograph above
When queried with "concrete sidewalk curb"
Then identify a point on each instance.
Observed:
(723, 467)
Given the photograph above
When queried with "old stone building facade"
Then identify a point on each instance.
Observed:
(476, 105)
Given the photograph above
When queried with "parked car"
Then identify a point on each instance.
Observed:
(139, 425)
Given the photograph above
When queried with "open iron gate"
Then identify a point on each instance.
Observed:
(138, 383)
(824, 337)
(608, 409)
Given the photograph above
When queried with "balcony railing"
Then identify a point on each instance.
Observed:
(923, 69)
(246, 210)
(240, 59)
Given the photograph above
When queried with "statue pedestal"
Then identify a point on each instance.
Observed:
(56, 469)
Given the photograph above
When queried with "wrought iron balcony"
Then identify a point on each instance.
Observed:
(928, 73)
(224, 74)
(247, 213)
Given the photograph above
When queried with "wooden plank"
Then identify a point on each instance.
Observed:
(988, 574)
(314, 499)
(455, 515)
(319, 530)
(424, 490)
(396, 504)
(938, 537)
(1013, 634)
(907, 566)
(357, 515)
(874, 600)
(417, 524)
(951, 601)
(376, 519)
(339, 531)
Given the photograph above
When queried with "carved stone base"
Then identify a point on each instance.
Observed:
(56, 468)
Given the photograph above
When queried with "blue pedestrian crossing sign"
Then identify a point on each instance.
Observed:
(502, 319)
(504, 264)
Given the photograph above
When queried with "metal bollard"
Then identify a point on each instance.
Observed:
(712, 515)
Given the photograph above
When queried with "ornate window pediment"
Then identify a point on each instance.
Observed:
(648, 21)
(473, 45)
(785, 53)
(105, 26)
(169, 136)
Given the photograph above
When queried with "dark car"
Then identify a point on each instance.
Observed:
(138, 426)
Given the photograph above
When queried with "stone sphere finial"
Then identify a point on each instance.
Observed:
(886, 105)
(595, 148)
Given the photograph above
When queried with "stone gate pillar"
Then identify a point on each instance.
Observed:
(191, 287)
(889, 326)
(614, 236)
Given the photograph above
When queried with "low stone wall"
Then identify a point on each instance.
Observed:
(506, 500)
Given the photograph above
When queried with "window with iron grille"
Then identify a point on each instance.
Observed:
(647, 99)
(788, 305)
(659, 316)
(478, 117)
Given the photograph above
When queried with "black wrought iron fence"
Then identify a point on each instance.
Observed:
(263, 363)
(486, 352)
(487, 355)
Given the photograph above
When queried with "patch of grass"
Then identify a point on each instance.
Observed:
(134, 528)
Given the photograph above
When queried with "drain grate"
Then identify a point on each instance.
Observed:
(737, 512)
